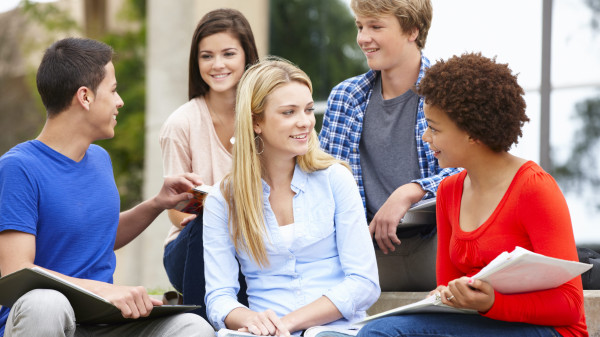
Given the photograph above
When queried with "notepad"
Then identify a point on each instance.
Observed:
(519, 271)
(89, 308)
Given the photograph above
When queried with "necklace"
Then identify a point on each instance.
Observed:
(212, 112)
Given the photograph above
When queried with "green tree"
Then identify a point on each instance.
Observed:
(127, 147)
(22, 114)
(320, 37)
(581, 168)
(594, 5)
(580, 171)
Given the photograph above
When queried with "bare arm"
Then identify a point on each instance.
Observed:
(319, 312)
(17, 251)
(180, 219)
(134, 221)
(384, 223)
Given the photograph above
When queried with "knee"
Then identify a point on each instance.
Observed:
(43, 300)
(374, 332)
(41, 310)
(188, 324)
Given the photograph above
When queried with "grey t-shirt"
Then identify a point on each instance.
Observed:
(388, 148)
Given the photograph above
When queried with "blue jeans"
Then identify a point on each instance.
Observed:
(447, 325)
(184, 262)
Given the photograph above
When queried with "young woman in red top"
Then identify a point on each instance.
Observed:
(475, 111)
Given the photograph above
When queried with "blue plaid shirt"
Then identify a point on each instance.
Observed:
(342, 127)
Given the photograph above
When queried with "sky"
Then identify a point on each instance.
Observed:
(6, 5)
(511, 31)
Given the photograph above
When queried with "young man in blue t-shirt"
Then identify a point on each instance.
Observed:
(59, 205)
(375, 122)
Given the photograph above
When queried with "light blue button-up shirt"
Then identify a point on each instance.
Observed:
(331, 255)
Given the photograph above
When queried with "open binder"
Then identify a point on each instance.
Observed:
(89, 308)
(421, 213)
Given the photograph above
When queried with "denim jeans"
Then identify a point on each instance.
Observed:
(332, 334)
(447, 325)
(184, 263)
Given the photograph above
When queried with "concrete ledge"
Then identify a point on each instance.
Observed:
(390, 300)
(591, 301)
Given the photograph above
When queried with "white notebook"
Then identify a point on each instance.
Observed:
(519, 271)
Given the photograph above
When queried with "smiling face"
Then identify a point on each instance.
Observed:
(104, 105)
(449, 143)
(221, 61)
(287, 122)
(383, 42)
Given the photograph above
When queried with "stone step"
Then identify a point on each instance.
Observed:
(390, 300)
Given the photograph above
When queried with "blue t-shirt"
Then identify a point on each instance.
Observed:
(71, 207)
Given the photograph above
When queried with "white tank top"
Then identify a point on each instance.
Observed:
(287, 232)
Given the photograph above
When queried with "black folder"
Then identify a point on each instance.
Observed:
(89, 308)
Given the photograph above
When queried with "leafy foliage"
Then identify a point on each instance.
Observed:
(581, 168)
(320, 37)
(594, 5)
(580, 172)
(50, 16)
(23, 114)
(127, 147)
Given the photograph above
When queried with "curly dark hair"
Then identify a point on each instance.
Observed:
(481, 96)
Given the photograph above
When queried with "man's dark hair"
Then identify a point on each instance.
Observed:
(67, 65)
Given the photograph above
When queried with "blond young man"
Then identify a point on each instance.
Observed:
(375, 122)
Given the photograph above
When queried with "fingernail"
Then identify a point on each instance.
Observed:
(470, 280)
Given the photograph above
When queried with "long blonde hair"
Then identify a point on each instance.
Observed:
(242, 188)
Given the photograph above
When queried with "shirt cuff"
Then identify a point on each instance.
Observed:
(218, 314)
(343, 302)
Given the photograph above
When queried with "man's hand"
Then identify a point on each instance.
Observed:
(134, 302)
(386, 220)
(175, 189)
(134, 221)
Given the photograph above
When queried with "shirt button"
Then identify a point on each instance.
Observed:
(291, 257)
(354, 150)
(297, 292)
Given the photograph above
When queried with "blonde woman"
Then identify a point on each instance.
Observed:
(291, 215)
